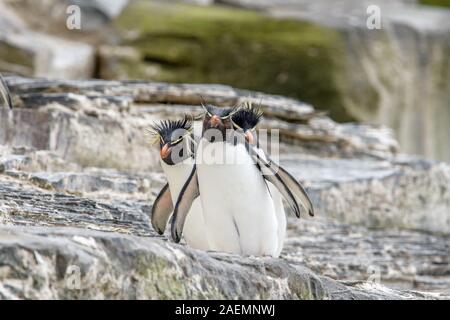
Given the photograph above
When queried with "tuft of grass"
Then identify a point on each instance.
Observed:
(245, 49)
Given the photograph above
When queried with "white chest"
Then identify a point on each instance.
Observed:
(177, 175)
(237, 206)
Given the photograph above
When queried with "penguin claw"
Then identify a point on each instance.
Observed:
(177, 238)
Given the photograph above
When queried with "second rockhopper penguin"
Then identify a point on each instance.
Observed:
(177, 148)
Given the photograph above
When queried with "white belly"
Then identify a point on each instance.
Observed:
(238, 210)
(280, 215)
(194, 229)
(279, 209)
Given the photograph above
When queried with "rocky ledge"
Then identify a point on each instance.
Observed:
(78, 179)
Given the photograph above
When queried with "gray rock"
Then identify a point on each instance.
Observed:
(50, 16)
(28, 52)
(74, 210)
(399, 75)
(408, 260)
(110, 8)
(409, 193)
(25, 204)
(400, 259)
(65, 119)
(66, 263)
(96, 13)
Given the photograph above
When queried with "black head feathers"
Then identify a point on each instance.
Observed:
(223, 113)
(169, 130)
(247, 117)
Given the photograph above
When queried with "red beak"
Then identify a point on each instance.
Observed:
(249, 137)
(165, 151)
(215, 121)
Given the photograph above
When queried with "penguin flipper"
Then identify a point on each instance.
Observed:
(273, 177)
(4, 93)
(296, 188)
(161, 210)
(188, 194)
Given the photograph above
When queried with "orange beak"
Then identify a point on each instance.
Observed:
(215, 121)
(165, 151)
(249, 137)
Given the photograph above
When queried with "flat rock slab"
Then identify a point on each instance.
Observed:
(399, 259)
(68, 263)
(409, 193)
(23, 204)
(117, 113)
(409, 260)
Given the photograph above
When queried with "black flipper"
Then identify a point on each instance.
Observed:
(161, 210)
(296, 188)
(4, 93)
(289, 188)
(188, 194)
(273, 177)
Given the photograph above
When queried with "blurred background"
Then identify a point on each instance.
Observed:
(320, 52)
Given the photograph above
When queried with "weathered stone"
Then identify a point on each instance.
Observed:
(71, 263)
(148, 269)
(27, 159)
(398, 75)
(25, 204)
(399, 259)
(50, 16)
(55, 113)
(406, 259)
(384, 76)
(73, 206)
(28, 52)
(406, 193)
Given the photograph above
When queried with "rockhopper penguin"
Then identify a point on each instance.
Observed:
(245, 122)
(176, 146)
(230, 179)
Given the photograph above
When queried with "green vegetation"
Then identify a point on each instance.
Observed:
(16, 57)
(187, 43)
(438, 3)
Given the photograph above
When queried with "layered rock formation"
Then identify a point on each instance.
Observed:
(317, 51)
(78, 179)
(398, 75)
